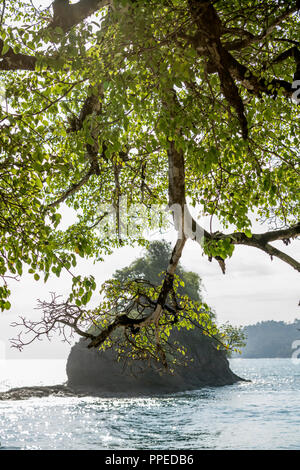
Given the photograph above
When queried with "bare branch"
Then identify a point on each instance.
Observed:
(283, 234)
(272, 251)
(57, 317)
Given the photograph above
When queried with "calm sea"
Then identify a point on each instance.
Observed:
(262, 414)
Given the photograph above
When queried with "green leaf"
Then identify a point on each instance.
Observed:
(5, 48)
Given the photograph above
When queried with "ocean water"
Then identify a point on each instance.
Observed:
(261, 414)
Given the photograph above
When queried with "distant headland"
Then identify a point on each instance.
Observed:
(270, 339)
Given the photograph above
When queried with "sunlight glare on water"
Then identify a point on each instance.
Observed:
(261, 414)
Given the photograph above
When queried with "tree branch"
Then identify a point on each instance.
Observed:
(73, 189)
(251, 39)
(91, 107)
(221, 61)
(66, 15)
(176, 197)
(283, 234)
(272, 251)
(56, 318)
(154, 316)
(208, 36)
(293, 52)
(261, 241)
(12, 61)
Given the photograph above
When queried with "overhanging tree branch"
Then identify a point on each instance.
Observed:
(12, 61)
(257, 240)
(66, 15)
(260, 241)
(73, 189)
(229, 69)
(176, 197)
(272, 251)
(90, 109)
(252, 39)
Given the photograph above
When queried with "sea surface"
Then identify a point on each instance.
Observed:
(261, 414)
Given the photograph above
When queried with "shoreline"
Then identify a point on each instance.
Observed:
(24, 393)
(63, 390)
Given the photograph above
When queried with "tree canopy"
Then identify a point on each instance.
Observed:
(141, 104)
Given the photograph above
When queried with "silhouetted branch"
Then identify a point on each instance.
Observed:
(58, 317)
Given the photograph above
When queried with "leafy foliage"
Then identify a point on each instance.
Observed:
(99, 98)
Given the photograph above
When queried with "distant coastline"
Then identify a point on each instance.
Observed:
(270, 339)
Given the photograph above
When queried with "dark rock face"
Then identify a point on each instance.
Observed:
(99, 373)
(23, 393)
